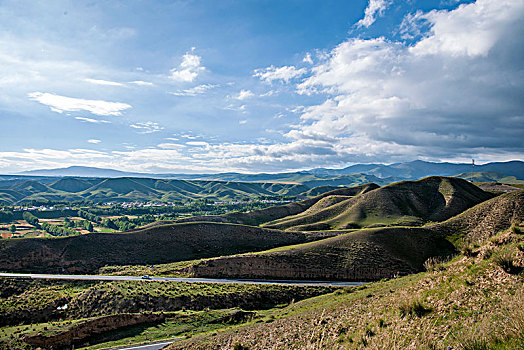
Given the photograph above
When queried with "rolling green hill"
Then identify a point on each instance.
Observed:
(363, 255)
(490, 176)
(257, 217)
(402, 203)
(371, 254)
(158, 244)
(16, 191)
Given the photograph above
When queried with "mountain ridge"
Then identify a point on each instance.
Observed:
(397, 171)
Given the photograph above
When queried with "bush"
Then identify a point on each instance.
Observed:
(433, 264)
(516, 229)
(413, 307)
(506, 262)
(468, 251)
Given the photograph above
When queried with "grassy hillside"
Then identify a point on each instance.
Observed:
(402, 203)
(483, 220)
(471, 302)
(158, 244)
(261, 216)
(490, 176)
(372, 254)
(356, 256)
(15, 191)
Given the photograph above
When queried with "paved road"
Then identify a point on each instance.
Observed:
(182, 279)
(155, 346)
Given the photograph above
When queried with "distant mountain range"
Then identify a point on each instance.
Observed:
(378, 173)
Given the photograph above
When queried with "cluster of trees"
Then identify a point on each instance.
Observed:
(31, 219)
(6, 216)
(124, 223)
(80, 223)
(89, 216)
(55, 230)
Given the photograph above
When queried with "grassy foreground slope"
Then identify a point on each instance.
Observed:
(471, 302)
(159, 244)
(403, 203)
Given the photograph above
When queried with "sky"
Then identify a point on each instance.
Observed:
(187, 86)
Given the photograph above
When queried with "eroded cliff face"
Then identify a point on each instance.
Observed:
(81, 333)
(267, 268)
(96, 299)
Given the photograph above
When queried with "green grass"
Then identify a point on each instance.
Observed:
(467, 301)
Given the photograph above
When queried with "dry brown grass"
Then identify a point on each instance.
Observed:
(473, 303)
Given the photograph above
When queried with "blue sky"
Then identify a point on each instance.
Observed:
(259, 85)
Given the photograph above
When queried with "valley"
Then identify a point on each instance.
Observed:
(403, 235)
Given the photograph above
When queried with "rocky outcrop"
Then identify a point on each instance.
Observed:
(79, 333)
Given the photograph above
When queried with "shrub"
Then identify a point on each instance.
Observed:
(468, 251)
(521, 247)
(433, 264)
(506, 262)
(516, 229)
(239, 346)
(413, 307)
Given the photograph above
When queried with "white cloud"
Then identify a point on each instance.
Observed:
(307, 59)
(197, 143)
(91, 120)
(194, 91)
(189, 69)
(147, 127)
(241, 108)
(244, 94)
(375, 8)
(242, 122)
(95, 141)
(472, 29)
(61, 104)
(103, 82)
(141, 83)
(440, 98)
(269, 93)
(285, 73)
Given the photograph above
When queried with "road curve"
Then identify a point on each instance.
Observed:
(182, 279)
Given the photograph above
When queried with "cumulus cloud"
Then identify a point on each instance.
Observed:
(375, 8)
(285, 73)
(244, 94)
(194, 91)
(455, 93)
(147, 127)
(62, 104)
(471, 30)
(189, 69)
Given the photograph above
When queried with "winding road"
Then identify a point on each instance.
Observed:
(183, 279)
